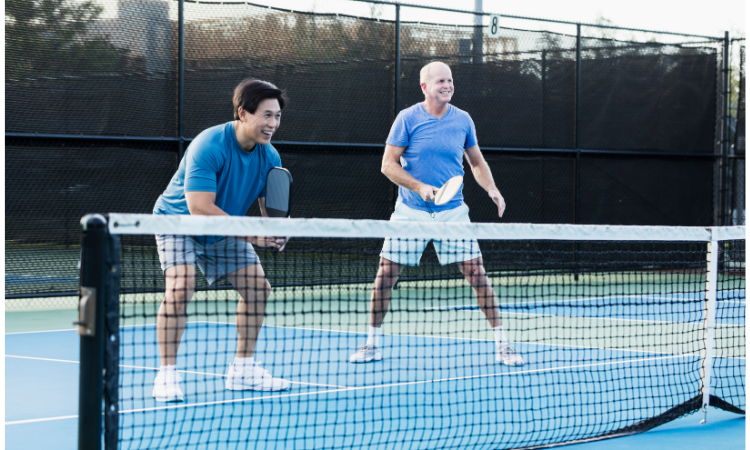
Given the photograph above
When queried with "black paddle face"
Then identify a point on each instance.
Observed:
(278, 192)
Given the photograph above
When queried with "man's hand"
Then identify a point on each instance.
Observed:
(427, 192)
(268, 241)
(499, 201)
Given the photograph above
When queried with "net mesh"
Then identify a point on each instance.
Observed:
(607, 335)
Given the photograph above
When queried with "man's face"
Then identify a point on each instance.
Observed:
(439, 85)
(259, 127)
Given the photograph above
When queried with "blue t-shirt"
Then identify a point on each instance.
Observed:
(434, 150)
(215, 162)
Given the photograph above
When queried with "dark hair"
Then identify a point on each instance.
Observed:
(250, 92)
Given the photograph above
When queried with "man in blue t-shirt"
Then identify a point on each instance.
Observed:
(425, 148)
(223, 172)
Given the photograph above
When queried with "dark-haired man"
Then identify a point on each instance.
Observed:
(223, 172)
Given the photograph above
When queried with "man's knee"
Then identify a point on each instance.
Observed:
(180, 287)
(474, 273)
(260, 292)
(387, 274)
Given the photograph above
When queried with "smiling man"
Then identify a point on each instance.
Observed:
(424, 149)
(223, 172)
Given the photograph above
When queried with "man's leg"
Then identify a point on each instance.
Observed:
(254, 290)
(172, 315)
(380, 300)
(170, 326)
(476, 276)
(473, 271)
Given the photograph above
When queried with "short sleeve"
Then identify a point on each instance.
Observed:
(471, 133)
(399, 135)
(201, 166)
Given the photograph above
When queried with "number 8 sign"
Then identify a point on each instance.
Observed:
(494, 29)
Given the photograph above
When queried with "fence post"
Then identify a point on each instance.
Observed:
(725, 135)
(576, 139)
(544, 88)
(478, 45)
(397, 86)
(397, 56)
(181, 77)
(577, 131)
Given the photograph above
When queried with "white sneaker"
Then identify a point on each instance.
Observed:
(254, 378)
(167, 386)
(366, 354)
(508, 356)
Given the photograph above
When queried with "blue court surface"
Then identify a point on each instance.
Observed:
(428, 392)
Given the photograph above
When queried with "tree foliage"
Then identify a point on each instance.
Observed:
(50, 37)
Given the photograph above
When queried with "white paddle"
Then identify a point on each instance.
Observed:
(448, 190)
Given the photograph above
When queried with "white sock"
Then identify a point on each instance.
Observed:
(500, 338)
(373, 337)
(242, 363)
(169, 367)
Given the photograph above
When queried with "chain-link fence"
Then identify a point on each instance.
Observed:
(578, 124)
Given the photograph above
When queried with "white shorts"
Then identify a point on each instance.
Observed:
(409, 251)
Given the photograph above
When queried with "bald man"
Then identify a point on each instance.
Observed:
(425, 148)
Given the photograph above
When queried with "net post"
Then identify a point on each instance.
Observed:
(709, 321)
(91, 329)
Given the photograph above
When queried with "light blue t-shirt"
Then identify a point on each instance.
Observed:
(215, 162)
(434, 150)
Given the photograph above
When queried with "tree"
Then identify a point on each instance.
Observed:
(49, 37)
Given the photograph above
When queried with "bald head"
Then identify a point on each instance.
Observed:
(436, 81)
(430, 69)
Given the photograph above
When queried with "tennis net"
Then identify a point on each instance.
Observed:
(559, 334)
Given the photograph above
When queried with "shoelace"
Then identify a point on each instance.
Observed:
(175, 375)
(257, 370)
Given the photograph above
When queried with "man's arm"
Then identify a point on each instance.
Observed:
(392, 169)
(262, 206)
(483, 175)
(280, 241)
(201, 203)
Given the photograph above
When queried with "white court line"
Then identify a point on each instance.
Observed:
(457, 338)
(409, 383)
(438, 337)
(360, 388)
(634, 296)
(346, 389)
(157, 369)
(42, 359)
(508, 313)
(46, 419)
(42, 331)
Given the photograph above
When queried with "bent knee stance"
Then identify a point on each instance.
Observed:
(475, 275)
(386, 278)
